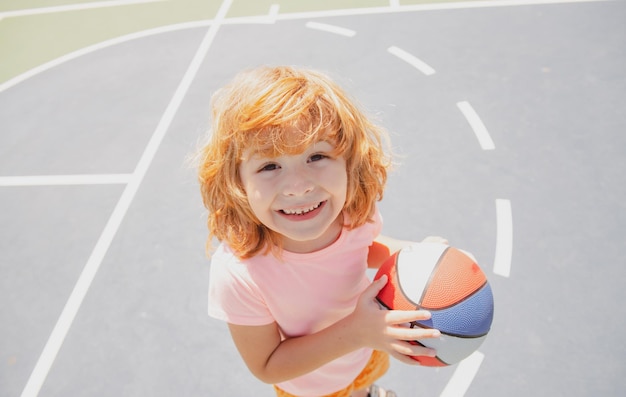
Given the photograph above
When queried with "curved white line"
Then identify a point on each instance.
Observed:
(411, 60)
(271, 19)
(463, 376)
(72, 7)
(426, 7)
(60, 180)
(504, 238)
(108, 43)
(484, 139)
(52, 347)
(330, 29)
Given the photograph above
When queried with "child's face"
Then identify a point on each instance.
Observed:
(299, 196)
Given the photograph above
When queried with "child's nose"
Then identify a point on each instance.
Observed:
(297, 183)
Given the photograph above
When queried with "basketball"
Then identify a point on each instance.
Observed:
(449, 284)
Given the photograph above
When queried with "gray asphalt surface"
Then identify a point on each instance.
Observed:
(548, 81)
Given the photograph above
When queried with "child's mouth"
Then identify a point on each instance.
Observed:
(302, 211)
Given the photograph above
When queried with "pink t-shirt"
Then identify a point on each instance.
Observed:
(303, 294)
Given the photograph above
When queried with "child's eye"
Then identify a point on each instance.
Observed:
(268, 167)
(317, 157)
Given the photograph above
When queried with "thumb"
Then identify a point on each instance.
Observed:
(374, 288)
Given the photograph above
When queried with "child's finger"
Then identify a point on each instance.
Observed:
(374, 288)
(406, 316)
(403, 351)
(407, 334)
(411, 349)
(436, 239)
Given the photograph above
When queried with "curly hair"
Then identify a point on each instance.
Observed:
(261, 109)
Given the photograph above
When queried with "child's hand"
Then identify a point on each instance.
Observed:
(386, 330)
(435, 239)
(441, 240)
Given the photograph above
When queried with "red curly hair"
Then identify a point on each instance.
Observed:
(261, 109)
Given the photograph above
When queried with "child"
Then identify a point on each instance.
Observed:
(291, 176)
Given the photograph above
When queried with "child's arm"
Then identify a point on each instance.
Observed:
(383, 247)
(273, 360)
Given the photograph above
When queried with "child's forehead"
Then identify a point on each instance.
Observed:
(274, 143)
(270, 150)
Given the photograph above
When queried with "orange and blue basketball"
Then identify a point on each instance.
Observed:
(448, 283)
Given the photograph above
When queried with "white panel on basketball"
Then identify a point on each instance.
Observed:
(451, 349)
(415, 265)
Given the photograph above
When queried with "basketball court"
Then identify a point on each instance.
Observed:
(507, 118)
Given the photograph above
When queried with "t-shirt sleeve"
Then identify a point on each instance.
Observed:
(233, 296)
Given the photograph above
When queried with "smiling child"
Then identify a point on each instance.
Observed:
(291, 175)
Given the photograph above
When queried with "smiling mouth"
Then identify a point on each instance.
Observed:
(301, 211)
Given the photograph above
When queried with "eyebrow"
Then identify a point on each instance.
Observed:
(261, 152)
(249, 154)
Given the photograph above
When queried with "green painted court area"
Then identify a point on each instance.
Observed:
(29, 38)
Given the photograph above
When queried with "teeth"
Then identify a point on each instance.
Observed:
(301, 211)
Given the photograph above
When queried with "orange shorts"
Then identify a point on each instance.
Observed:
(374, 369)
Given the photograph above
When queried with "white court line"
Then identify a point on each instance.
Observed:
(330, 29)
(264, 19)
(56, 180)
(268, 19)
(92, 48)
(425, 7)
(51, 349)
(484, 139)
(504, 238)
(411, 60)
(72, 7)
(463, 376)
(273, 13)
